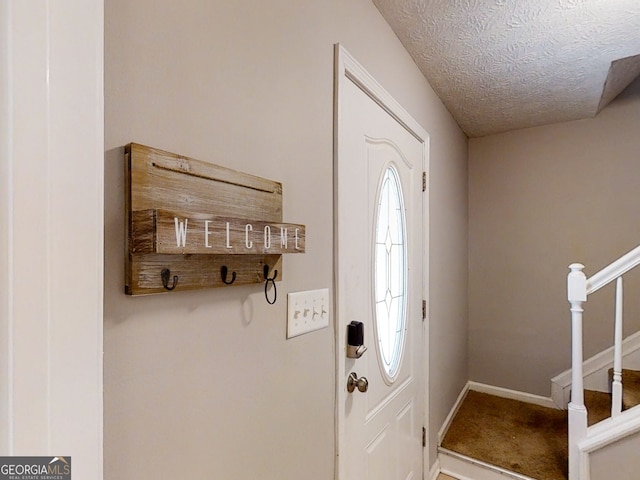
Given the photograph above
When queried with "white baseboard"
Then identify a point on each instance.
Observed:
(435, 470)
(513, 394)
(447, 421)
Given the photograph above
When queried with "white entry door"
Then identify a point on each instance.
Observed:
(380, 280)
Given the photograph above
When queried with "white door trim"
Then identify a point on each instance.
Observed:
(51, 230)
(348, 69)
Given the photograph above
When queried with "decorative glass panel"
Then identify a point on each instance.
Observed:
(390, 272)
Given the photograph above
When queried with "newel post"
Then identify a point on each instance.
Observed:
(577, 295)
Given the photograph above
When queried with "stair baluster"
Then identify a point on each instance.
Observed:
(577, 295)
(616, 386)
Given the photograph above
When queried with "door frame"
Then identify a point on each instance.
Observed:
(347, 69)
(51, 278)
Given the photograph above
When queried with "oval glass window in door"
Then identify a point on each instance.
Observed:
(390, 273)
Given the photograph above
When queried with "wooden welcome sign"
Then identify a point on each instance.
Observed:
(160, 231)
(192, 224)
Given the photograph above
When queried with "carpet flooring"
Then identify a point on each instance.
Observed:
(598, 406)
(525, 438)
(631, 388)
(521, 437)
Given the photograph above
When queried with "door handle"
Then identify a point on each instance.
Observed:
(361, 383)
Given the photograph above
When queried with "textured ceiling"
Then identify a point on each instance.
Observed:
(500, 65)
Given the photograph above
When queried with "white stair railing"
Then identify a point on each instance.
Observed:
(578, 289)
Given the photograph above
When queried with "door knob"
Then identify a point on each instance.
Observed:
(353, 381)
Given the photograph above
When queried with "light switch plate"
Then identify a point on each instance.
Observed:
(307, 311)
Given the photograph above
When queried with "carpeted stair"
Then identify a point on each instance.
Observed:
(514, 435)
(631, 387)
(520, 437)
(599, 403)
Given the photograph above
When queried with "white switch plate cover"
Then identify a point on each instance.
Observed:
(307, 311)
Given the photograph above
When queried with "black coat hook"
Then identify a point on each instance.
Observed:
(165, 274)
(271, 280)
(223, 273)
(266, 274)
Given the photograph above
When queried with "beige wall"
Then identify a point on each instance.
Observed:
(540, 199)
(205, 381)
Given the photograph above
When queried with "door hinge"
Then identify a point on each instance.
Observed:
(424, 309)
(424, 181)
(424, 437)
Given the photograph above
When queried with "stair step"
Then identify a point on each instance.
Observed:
(462, 466)
(598, 406)
(599, 403)
(515, 436)
(630, 387)
(492, 438)
(631, 392)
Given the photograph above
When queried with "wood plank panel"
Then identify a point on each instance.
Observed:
(198, 271)
(158, 184)
(164, 180)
